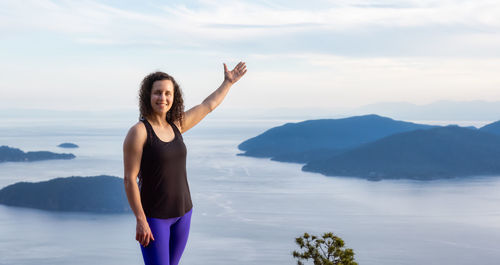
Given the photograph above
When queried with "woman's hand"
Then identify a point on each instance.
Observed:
(143, 233)
(235, 75)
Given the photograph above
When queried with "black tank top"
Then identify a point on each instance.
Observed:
(163, 181)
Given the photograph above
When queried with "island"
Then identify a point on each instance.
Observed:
(376, 148)
(68, 145)
(10, 154)
(315, 139)
(437, 153)
(96, 194)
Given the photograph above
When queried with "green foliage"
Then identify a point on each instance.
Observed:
(328, 250)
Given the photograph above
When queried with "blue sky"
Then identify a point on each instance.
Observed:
(300, 54)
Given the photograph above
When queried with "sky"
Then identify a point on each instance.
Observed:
(92, 55)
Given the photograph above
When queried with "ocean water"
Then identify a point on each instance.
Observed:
(246, 210)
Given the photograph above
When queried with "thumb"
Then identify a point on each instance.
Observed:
(225, 67)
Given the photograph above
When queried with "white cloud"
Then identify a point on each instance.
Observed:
(344, 81)
(237, 20)
(290, 46)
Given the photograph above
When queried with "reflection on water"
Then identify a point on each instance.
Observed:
(248, 211)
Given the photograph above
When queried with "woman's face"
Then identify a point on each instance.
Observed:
(162, 96)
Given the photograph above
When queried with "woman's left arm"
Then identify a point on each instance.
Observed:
(194, 115)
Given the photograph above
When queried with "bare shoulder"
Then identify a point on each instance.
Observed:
(139, 128)
(136, 135)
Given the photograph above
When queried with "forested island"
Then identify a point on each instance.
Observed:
(376, 148)
(10, 154)
(300, 142)
(97, 194)
(68, 145)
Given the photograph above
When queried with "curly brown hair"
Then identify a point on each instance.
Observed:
(176, 111)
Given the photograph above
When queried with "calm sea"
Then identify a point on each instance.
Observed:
(246, 210)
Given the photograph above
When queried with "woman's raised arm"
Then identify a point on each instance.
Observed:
(194, 115)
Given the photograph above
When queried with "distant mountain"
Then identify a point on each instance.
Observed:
(492, 128)
(99, 194)
(68, 145)
(313, 139)
(441, 152)
(474, 110)
(9, 154)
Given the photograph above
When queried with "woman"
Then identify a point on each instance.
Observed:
(154, 151)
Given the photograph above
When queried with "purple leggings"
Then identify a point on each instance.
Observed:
(171, 236)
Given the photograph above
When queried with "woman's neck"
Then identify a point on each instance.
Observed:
(158, 120)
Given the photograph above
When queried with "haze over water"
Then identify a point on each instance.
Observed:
(246, 210)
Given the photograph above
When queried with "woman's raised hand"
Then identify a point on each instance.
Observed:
(232, 76)
(143, 233)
